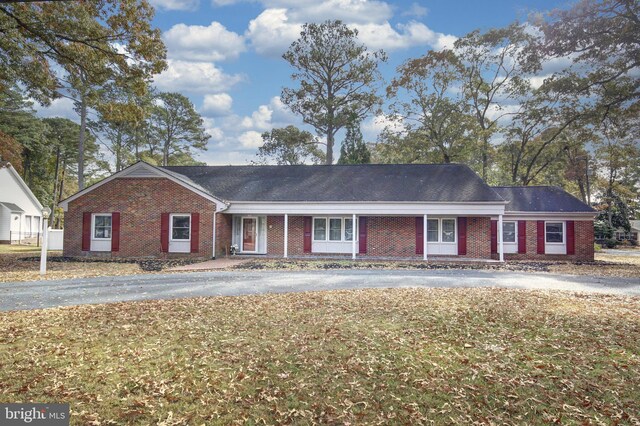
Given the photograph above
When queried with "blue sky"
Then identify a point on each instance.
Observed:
(225, 55)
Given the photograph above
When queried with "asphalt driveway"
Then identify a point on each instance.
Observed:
(46, 294)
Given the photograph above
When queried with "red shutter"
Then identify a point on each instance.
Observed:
(115, 231)
(307, 234)
(462, 236)
(195, 232)
(494, 236)
(86, 231)
(571, 237)
(164, 232)
(419, 235)
(362, 233)
(522, 236)
(540, 237)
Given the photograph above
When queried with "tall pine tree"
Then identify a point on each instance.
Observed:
(354, 150)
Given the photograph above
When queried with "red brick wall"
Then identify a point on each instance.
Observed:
(275, 235)
(223, 234)
(583, 239)
(140, 203)
(478, 238)
(391, 236)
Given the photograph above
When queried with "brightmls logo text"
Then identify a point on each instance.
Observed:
(34, 414)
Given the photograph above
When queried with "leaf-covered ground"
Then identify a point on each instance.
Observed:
(403, 356)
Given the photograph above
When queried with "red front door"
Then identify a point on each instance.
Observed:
(249, 227)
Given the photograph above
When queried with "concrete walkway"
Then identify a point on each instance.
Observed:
(46, 294)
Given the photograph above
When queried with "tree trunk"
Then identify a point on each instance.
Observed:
(64, 168)
(83, 126)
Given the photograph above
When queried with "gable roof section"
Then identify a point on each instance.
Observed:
(146, 170)
(342, 183)
(540, 199)
(21, 183)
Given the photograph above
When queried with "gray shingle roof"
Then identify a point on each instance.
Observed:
(13, 207)
(540, 199)
(350, 183)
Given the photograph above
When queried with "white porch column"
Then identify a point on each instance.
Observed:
(424, 237)
(215, 213)
(286, 235)
(500, 242)
(353, 237)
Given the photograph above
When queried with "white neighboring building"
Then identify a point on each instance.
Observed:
(20, 210)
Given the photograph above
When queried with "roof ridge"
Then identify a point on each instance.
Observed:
(319, 165)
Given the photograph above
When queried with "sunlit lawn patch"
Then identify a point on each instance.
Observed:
(372, 356)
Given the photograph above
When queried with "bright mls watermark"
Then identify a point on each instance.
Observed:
(34, 414)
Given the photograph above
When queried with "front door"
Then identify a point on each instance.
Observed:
(249, 233)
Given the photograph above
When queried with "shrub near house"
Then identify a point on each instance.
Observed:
(408, 211)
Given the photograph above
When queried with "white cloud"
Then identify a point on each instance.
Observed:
(251, 139)
(200, 43)
(352, 11)
(61, 107)
(194, 77)
(271, 33)
(416, 10)
(217, 104)
(260, 119)
(188, 5)
(372, 127)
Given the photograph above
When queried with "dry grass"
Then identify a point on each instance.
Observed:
(403, 356)
(14, 268)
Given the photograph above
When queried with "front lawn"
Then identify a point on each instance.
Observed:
(405, 356)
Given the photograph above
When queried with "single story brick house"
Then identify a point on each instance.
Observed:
(412, 211)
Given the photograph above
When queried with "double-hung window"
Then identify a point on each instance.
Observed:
(101, 226)
(432, 230)
(334, 229)
(180, 227)
(554, 232)
(448, 230)
(509, 232)
(441, 230)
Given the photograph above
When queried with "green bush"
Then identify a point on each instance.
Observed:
(597, 247)
(611, 243)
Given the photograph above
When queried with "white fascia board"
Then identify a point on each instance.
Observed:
(152, 172)
(367, 208)
(24, 186)
(585, 216)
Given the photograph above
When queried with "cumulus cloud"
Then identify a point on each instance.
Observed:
(260, 119)
(61, 107)
(217, 104)
(194, 77)
(250, 139)
(186, 5)
(200, 43)
(273, 31)
(416, 10)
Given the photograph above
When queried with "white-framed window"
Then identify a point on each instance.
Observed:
(509, 232)
(433, 230)
(334, 229)
(448, 230)
(101, 226)
(441, 230)
(319, 228)
(554, 232)
(180, 227)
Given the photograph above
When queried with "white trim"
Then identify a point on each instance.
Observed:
(158, 172)
(286, 235)
(564, 232)
(213, 255)
(366, 208)
(171, 216)
(24, 186)
(93, 226)
(353, 236)
(500, 241)
(424, 237)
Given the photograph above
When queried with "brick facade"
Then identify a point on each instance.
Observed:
(140, 202)
(583, 242)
